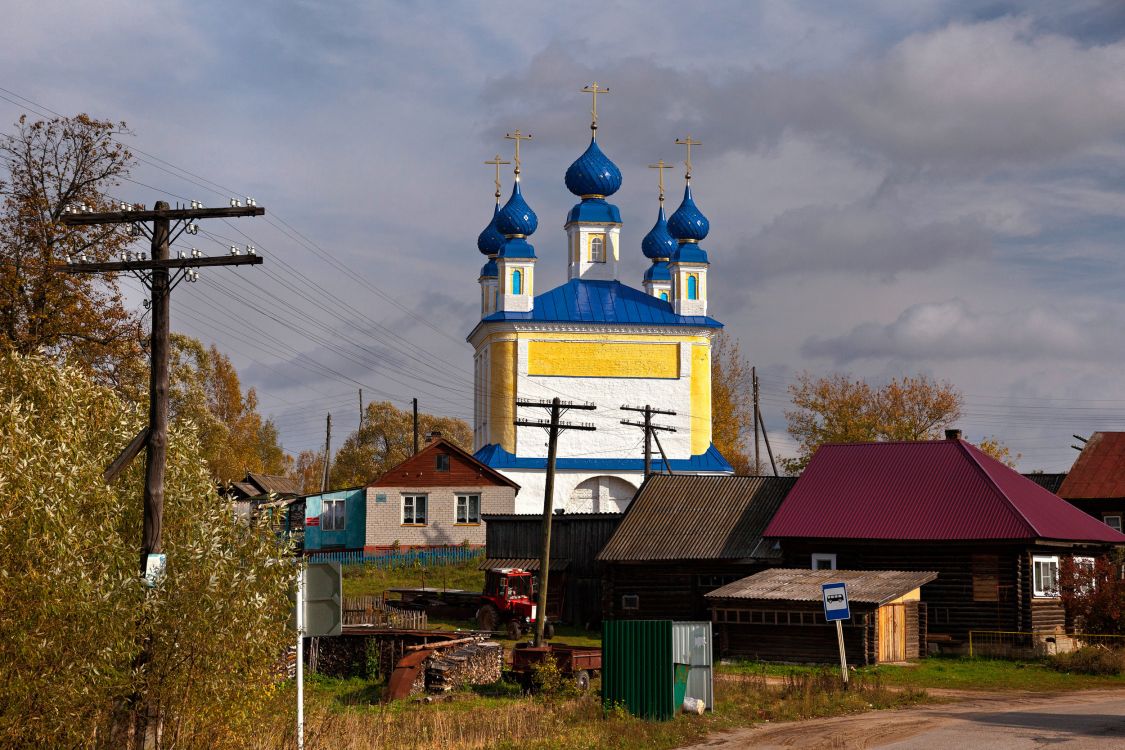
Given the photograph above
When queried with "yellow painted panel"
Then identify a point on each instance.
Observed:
(502, 414)
(581, 359)
(700, 399)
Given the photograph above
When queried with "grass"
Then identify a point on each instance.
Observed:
(364, 580)
(344, 714)
(955, 673)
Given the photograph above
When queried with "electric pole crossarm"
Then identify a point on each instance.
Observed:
(649, 426)
(546, 424)
(650, 410)
(171, 214)
(150, 265)
(549, 404)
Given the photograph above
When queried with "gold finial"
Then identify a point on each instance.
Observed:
(594, 89)
(497, 162)
(517, 136)
(661, 166)
(688, 142)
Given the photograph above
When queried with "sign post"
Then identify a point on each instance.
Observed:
(317, 611)
(836, 610)
(300, 612)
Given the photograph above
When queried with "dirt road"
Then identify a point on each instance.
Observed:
(1069, 721)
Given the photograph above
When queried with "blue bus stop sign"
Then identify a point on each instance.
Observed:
(835, 601)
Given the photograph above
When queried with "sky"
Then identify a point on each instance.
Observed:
(893, 187)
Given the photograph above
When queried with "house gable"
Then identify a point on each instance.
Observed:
(423, 470)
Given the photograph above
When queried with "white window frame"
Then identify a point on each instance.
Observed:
(598, 257)
(414, 514)
(1117, 526)
(469, 519)
(328, 514)
(829, 557)
(1041, 591)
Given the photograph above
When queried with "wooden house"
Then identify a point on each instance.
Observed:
(993, 537)
(778, 615)
(683, 536)
(1096, 482)
(437, 497)
(255, 489)
(516, 541)
(336, 521)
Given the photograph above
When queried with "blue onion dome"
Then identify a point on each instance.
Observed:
(658, 243)
(658, 271)
(688, 224)
(516, 217)
(489, 270)
(490, 240)
(593, 174)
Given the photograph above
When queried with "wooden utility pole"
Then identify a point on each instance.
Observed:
(754, 390)
(650, 430)
(758, 416)
(327, 453)
(553, 427)
(160, 275)
(361, 408)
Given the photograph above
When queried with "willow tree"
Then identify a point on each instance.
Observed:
(73, 612)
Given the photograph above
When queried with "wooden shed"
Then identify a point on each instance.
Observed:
(778, 615)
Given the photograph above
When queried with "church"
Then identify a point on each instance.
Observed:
(594, 340)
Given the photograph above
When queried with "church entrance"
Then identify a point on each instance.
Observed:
(604, 494)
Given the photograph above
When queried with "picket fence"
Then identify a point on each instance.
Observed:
(429, 557)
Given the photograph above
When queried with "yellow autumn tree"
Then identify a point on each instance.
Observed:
(732, 403)
(840, 409)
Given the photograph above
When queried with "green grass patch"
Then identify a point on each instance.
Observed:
(366, 580)
(954, 673)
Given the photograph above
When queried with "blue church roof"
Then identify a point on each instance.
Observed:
(583, 301)
(658, 271)
(496, 457)
(595, 210)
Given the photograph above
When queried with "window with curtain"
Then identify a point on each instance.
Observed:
(332, 515)
(1045, 571)
(414, 509)
(468, 509)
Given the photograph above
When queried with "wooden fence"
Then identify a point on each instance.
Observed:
(428, 557)
(375, 610)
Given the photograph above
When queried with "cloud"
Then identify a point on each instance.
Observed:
(954, 330)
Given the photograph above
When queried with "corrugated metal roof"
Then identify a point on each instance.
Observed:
(686, 517)
(280, 485)
(1099, 470)
(1049, 482)
(939, 490)
(582, 301)
(802, 585)
(524, 563)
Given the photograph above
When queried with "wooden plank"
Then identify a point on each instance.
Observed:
(126, 457)
(171, 214)
(116, 266)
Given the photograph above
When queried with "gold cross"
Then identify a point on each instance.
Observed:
(594, 89)
(497, 161)
(661, 166)
(688, 142)
(517, 136)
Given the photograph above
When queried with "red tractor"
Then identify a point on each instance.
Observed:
(509, 600)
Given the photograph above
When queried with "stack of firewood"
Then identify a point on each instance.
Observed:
(467, 664)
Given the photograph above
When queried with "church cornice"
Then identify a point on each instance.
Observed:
(483, 329)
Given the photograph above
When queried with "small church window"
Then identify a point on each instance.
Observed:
(664, 296)
(693, 287)
(517, 282)
(597, 248)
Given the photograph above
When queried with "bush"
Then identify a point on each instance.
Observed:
(1097, 660)
(547, 679)
(74, 613)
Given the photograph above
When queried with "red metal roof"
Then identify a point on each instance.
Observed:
(940, 490)
(1099, 470)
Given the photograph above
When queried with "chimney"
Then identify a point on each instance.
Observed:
(952, 434)
(432, 436)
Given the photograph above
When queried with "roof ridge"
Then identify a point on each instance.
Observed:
(1011, 505)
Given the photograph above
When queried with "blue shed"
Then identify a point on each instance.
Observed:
(336, 520)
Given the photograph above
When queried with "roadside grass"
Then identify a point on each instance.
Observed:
(345, 715)
(954, 673)
(366, 580)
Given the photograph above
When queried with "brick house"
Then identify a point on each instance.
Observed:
(435, 498)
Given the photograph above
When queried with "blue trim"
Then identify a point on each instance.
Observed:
(658, 271)
(496, 457)
(595, 210)
(582, 301)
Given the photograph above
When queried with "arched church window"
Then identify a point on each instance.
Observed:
(597, 248)
(517, 282)
(692, 287)
(664, 296)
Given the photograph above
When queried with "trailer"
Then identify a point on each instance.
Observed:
(580, 663)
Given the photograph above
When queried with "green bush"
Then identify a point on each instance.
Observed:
(74, 612)
(1097, 660)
